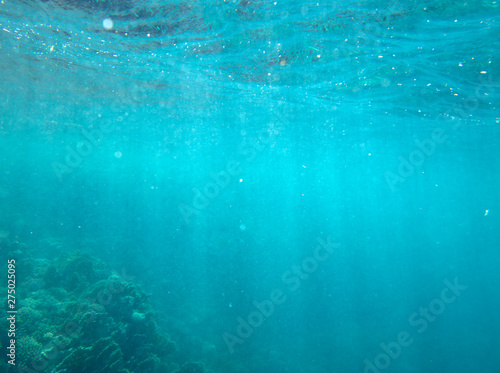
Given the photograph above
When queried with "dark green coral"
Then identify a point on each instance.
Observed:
(104, 356)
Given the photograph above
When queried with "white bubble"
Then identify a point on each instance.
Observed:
(243, 227)
(107, 24)
(118, 154)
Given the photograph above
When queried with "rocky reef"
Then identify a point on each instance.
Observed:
(76, 315)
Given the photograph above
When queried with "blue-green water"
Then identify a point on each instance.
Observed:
(299, 186)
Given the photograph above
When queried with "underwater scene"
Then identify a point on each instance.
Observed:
(235, 186)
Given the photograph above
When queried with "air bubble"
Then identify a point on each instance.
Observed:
(107, 24)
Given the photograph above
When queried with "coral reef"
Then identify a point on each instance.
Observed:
(74, 272)
(103, 356)
(191, 368)
(27, 347)
(86, 319)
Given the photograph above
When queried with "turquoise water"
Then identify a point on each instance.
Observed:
(297, 186)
